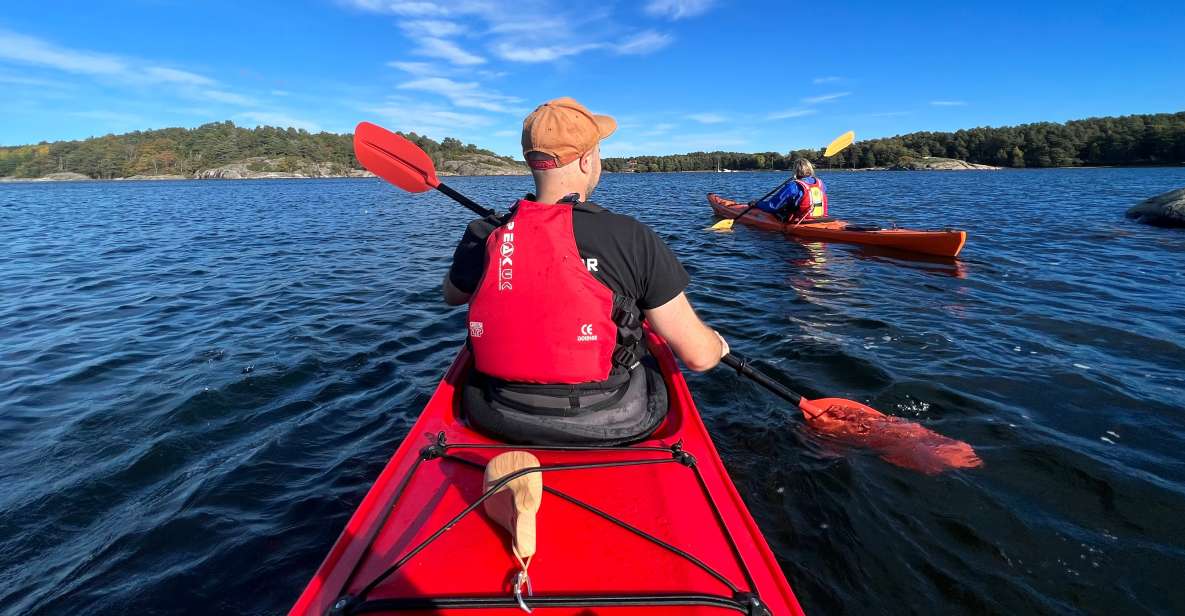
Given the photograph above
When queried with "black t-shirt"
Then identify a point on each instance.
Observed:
(629, 257)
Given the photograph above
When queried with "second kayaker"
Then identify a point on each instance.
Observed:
(557, 291)
(802, 198)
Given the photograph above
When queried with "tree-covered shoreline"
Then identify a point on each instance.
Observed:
(187, 152)
(1152, 139)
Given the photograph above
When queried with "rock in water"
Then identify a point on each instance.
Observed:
(1167, 210)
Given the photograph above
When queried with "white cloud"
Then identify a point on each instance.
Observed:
(532, 54)
(464, 94)
(824, 98)
(398, 7)
(948, 103)
(110, 117)
(280, 120)
(281, 93)
(791, 113)
(31, 50)
(411, 116)
(447, 50)
(228, 98)
(643, 43)
(678, 9)
(707, 118)
(415, 68)
(172, 75)
(822, 80)
(437, 28)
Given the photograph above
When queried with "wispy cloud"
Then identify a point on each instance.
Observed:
(464, 94)
(427, 119)
(437, 28)
(446, 50)
(791, 113)
(643, 43)
(227, 98)
(707, 118)
(678, 9)
(829, 79)
(824, 98)
(262, 118)
(424, 69)
(948, 103)
(110, 117)
(404, 8)
(535, 54)
(29, 50)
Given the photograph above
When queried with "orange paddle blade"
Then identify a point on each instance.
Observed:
(394, 158)
(898, 441)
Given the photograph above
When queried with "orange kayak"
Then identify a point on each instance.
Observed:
(944, 243)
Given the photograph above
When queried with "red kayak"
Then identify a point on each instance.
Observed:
(944, 243)
(652, 528)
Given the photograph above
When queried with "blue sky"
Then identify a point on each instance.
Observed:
(680, 75)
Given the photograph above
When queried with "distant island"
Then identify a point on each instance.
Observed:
(1155, 139)
(221, 150)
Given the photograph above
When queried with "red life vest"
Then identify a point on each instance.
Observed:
(813, 202)
(538, 315)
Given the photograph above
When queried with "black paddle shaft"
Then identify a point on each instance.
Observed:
(776, 189)
(742, 367)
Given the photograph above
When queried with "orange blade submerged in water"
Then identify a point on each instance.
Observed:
(899, 441)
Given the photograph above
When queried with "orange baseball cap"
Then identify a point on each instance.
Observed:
(563, 129)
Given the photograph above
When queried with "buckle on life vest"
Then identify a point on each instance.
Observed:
(625, 357)
(625, 318)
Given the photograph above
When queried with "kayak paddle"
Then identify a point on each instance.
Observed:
(834, 148)
(898, 441)
(904, 443)
(399, 161)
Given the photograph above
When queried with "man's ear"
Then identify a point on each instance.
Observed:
(586, 162)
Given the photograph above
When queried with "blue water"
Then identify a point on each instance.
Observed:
(200, 380)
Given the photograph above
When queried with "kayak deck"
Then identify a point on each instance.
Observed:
(653, 528)
(943, 243)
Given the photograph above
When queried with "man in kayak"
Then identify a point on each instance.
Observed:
(802, 198)
(557, 291)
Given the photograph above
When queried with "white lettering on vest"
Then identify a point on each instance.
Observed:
(591, 264)
(506, 264)
(586, 333)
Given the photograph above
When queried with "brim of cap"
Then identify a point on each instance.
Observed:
(605, 125)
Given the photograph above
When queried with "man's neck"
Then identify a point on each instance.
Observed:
(555, 193)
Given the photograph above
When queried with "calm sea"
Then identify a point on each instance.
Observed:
(200, 380)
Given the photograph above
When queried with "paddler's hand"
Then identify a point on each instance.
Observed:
(723, 344)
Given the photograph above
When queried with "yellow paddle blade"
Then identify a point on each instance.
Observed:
(840, 143)
(723, 225)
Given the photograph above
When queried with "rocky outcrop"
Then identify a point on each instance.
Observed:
(65, 176)
(934, 163)
(154, 177)
(481, 164)
(1167, 210)
(267, 168)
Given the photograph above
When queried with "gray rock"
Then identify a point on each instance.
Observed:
(481, 164)
(1167, 210)
(934, 163)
